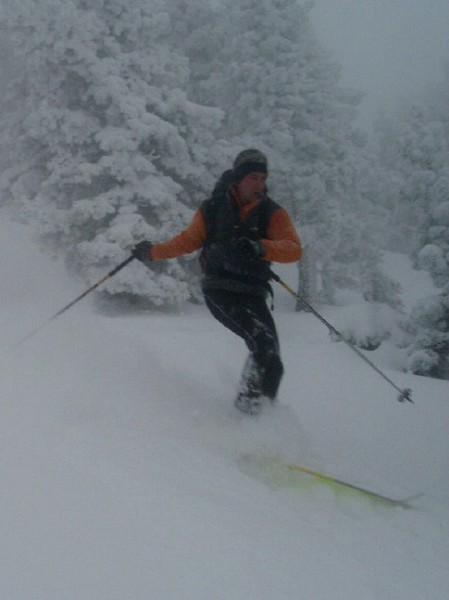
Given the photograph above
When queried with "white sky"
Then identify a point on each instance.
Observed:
(387, 48)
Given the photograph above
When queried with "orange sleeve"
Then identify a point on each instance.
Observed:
(187, 241)
(282, 244)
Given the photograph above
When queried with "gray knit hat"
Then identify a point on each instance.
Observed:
(248, 161)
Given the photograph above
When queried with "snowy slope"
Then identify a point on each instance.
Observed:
(120, 458)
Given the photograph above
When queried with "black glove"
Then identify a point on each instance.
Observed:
(248, 249)
(142, 251)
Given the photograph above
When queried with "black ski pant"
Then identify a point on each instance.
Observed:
(250, 318)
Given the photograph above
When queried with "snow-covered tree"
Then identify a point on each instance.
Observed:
(260, 61)
(8, 104)
(376, 286)
(433, 256)
(127, 107)
(111, 150)
(414, 149)
(428, 328)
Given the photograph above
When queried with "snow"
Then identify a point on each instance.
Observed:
(121, 456)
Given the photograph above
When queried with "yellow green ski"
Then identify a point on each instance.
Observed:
(279, 473)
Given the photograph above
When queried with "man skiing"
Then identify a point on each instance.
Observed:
(240, 231)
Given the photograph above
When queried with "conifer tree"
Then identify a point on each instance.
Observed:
(279, 90)
(111, 148)
(414, 151)
(427, 327)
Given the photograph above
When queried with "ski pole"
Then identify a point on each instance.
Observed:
(80, 297)
(403, 395)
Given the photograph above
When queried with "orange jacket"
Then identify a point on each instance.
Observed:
(281, 245)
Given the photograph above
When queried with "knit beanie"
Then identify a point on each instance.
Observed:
(248, 161)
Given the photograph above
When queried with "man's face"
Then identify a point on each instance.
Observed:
(252, 187)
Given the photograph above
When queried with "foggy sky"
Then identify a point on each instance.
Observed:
(386, 48)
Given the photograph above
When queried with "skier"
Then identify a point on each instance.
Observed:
(240, 231)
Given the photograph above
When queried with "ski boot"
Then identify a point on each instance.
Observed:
(249, 403)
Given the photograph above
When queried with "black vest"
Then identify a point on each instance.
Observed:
(220, 261)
